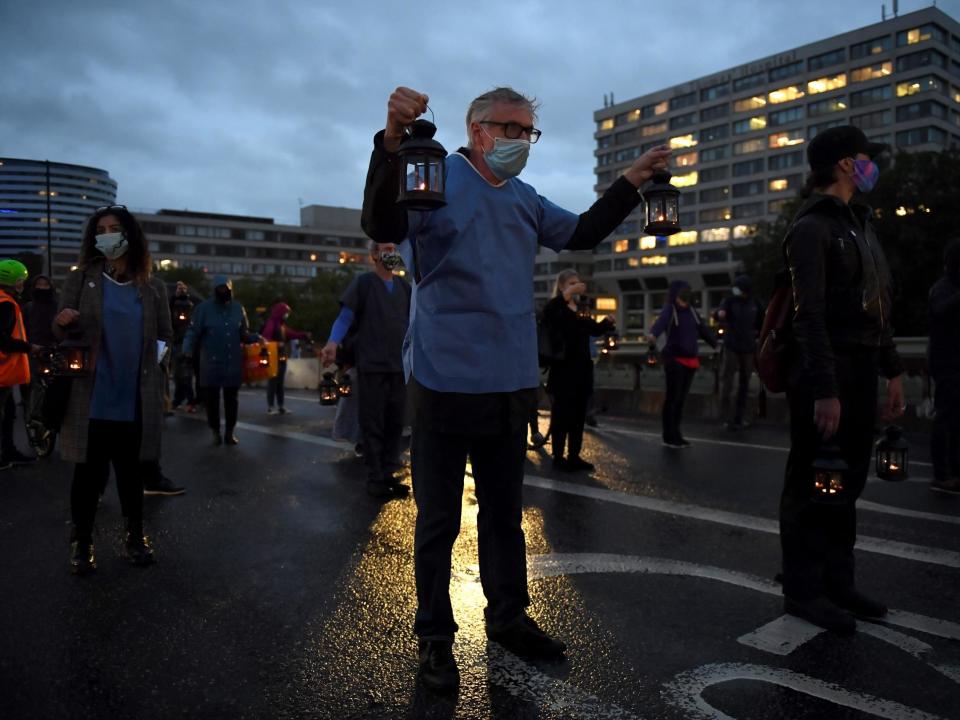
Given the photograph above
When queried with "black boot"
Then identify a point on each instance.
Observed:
(853, 601)
(821, 612)
(524, 637)
(217, 439)
(82, 560)
(438, 668)
(229, 438)
(139, 550)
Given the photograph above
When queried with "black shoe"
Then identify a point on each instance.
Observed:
(163, 486)
(15, 457)
(139, 550)
(674, 444)
(438, 667)
(380, 489)
(537, 440)
(857, 603)
(229, 438)
(591, 421)
(821, 612)
(683, 443)
(358, 450)
(731, 425)
(578, 463)
(951, 486)
(397, 486)
(523, 637)
(82, 560)
(560, 464)
(217, 438)
(5, 464)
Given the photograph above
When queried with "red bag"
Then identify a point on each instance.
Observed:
(775, 337)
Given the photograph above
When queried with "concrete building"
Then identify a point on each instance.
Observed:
(739, 138)
(327, 238)
(45, 204)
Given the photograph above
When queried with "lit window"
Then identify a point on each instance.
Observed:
(620, 246)
(779, 185)
(687, 237)
(633, 262)
(791, 92)
(686, 160)
(921, 84)
(661, 107)
(750, 103)
(907, 88)
(748, 146)
(685, 180)
(715, 234)
(955, 91)
(633, 115)
(606, 124)
(654, 260)
(917, 35)
(683, 141)
(655, 129)
(648, 242)
(826, 84)
(785, 139)
(872, 72)
(758, 123)
(743, 231)
(608, 304)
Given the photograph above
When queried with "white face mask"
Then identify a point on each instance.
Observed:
(737, 291)
(112, 245)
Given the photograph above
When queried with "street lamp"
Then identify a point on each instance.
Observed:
(892, 455)
(829, 476)
(422, 168)
(663, 205)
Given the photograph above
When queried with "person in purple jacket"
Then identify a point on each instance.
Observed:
(683, 327)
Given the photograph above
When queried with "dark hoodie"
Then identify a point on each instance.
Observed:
(841, 289)
(943, 353)
(682, 325)
(276, 327)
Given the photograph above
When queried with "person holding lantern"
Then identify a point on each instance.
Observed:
(217, 331)
(374, 310)
(683, 328)
(471, 349)
(570, 381)
(842, 341)
(114, 413)
(181, 310)
(943, 361)
(277, 330)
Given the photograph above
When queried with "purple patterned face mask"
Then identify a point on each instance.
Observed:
(865, 174)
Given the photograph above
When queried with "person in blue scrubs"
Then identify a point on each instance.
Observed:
(470, 354)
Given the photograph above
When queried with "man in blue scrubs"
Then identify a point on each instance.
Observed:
(470, 354)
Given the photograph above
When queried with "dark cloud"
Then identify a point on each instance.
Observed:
(249, 105)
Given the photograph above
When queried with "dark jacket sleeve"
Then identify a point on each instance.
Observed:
(945, 302)
(604, 215)
(381, 218)
(805, 246)
(8, 321)
(707, 334)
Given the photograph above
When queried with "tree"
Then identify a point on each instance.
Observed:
(195, 278)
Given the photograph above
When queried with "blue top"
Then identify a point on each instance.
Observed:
(472, 326)
(116, 382)
(342, 324)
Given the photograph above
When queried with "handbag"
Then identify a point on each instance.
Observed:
(773, 351)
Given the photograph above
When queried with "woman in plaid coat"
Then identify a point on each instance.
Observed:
(114, 412)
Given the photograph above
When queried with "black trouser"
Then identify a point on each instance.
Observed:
(567, 416)
(183, 381)
(945, 435)
(733, 363)
(817, 540)
(212, 396)
(439, 461)
(8, 415)
(275, 385)
(109, 442)
(679, 377)
(382, 398)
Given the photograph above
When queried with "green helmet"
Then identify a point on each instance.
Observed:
(11, 271)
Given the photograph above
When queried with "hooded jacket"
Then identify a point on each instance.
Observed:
(741, 317)
(38, 315)
(276, 328)
(841, 290)
(682, 326)
(943, 353)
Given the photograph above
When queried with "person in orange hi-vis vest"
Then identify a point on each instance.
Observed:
(14, 360)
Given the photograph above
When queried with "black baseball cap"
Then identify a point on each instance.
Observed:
(836, 143)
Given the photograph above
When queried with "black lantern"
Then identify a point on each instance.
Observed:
(282, 355)
(663, 205)
(344, 387)
(584, 308)
(75, 356)
(892, 455)
(652, 356)
(264, 356)
(611, 341)
(47, 362)
(829, 476)
(328, 390)
(422, 167)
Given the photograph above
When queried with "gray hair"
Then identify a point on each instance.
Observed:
(480, 108)
(562, 280)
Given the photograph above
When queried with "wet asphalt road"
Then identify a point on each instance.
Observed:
(283, 591)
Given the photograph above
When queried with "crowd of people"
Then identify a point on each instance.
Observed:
(455, 355)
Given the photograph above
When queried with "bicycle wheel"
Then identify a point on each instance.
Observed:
(41, 439)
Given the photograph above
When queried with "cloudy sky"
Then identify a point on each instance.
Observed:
(249, 106)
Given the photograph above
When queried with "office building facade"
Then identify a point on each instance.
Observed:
(739, 139)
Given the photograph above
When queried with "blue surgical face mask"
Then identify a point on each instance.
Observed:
(865, 174)
(508, 157)
(112, 245)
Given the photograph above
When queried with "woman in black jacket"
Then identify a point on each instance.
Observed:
(570, 382)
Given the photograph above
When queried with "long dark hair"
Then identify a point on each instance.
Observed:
(139, 263)
(818, 178)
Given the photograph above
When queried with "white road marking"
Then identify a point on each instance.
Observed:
(685, 692)
(554, 564)
(904, 512)
(881, 546)
(781, 636)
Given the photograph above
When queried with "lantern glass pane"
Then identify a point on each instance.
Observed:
(672, 212)
(424, 173)
(655, 210)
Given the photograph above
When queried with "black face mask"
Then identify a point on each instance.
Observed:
(685, 295)
(225, 295)
(43, 294)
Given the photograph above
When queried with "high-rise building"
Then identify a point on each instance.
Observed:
(739, 139)
(43, 207)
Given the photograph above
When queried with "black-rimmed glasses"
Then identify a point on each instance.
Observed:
(513, 130)
(110, 207)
